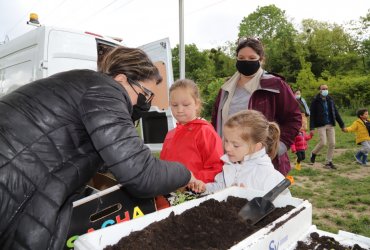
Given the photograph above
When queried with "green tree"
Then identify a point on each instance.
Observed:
(198, 65)
(329, 48)
(278, 35)
(317, 53)
(207, 68)
(305, 78)
(363, 35)
(266, 23)
(224, 65)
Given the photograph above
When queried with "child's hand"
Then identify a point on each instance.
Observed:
(197, 186)
(191, 182)
(344, 130)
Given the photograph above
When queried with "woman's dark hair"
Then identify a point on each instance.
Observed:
(253, 43)
(361, 112)
(132, 62)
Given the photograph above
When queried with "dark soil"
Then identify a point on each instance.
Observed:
(318, 242)
(211, 225)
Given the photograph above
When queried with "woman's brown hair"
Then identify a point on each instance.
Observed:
(189, 84)
(256, 127)
(132, 62)
(253, 43)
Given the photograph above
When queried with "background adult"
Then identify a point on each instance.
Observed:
(253, 88)
(323, 116)
(55, 133)
(303, 107)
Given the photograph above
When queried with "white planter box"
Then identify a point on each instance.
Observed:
(343, 237)
(265, 238)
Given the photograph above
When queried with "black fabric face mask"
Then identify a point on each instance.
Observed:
(247, 68)
(141, 106)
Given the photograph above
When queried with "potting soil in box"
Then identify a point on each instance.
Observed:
(318, 239)
(213, 224)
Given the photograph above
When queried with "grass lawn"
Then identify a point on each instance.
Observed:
(340, 198)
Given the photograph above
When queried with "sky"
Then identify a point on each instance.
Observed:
(207, 23)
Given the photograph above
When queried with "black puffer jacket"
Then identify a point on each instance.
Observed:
(54, 135)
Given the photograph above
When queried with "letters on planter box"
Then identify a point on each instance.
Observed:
(105, 210)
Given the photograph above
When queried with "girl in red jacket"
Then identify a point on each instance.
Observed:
(193, 142)
(300, 145)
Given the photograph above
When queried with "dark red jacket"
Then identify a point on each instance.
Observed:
(277, 102)
(197, 146)
(300, 141)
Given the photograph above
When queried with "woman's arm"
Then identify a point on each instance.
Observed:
(105, 113)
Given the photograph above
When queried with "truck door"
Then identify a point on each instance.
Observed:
(69, 50)
(155, 124)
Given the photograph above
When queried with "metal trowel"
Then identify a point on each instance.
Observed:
(256, 209)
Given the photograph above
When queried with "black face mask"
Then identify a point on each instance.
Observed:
(247, 68)
(141, 106)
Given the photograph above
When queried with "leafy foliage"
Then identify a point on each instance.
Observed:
(179, 197)
(270, 24)
(317, 53)
(208, 69)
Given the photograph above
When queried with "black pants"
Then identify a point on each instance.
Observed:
(301, 155)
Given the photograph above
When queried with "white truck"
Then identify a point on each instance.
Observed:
(45, 51)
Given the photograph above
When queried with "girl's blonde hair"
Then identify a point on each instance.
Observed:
(194, 90)
(256, 127)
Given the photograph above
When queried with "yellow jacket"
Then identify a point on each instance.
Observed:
(360, 129)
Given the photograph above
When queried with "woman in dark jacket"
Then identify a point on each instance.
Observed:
(253, 88)
(55, 133)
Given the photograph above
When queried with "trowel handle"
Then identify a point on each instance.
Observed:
(273, 193)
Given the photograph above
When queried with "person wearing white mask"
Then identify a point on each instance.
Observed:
(323, 116)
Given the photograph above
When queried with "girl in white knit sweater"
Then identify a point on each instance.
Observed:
(250, 142)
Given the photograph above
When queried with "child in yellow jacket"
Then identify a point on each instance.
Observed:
(361, 127)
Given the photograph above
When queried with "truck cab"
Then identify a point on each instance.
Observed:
(47, 50)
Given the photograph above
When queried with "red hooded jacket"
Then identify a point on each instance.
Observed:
(300, 141)
(197, 146)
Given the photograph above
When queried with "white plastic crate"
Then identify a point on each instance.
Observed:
(343, 237)
(265, 238)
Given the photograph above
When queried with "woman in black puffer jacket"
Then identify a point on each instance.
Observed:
(55, 133)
